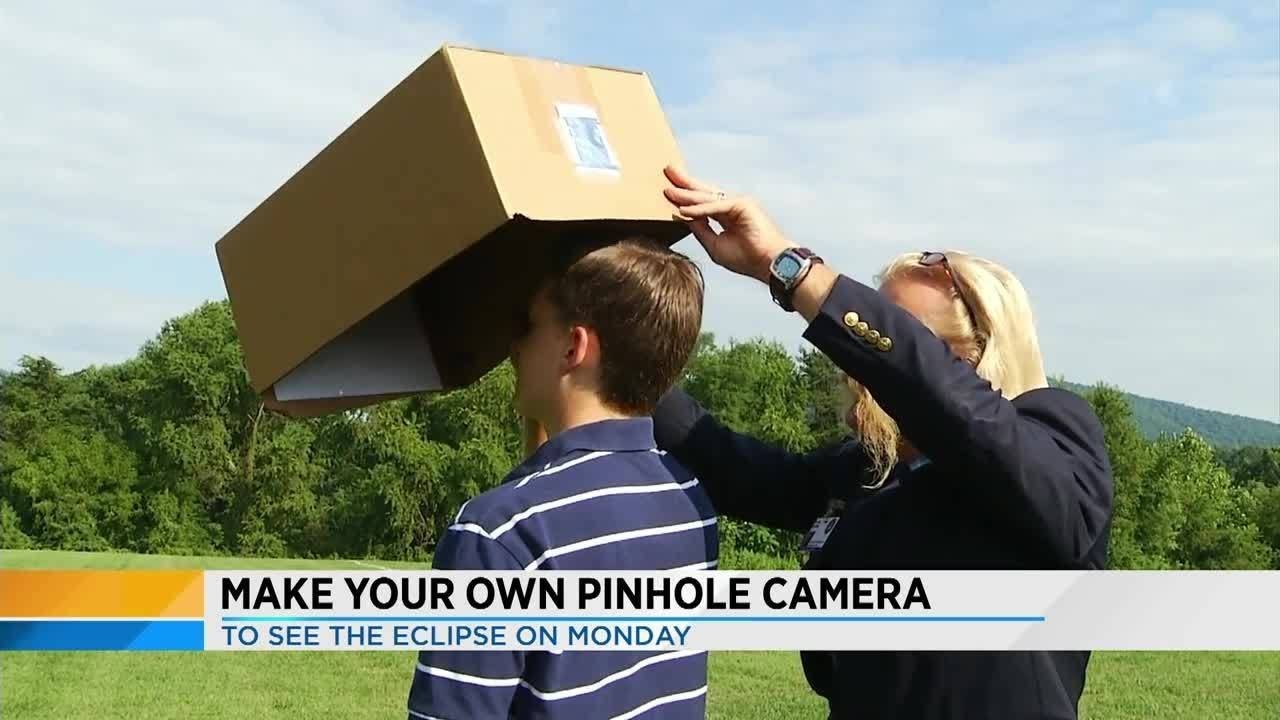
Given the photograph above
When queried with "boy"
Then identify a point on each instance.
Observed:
(605, 337)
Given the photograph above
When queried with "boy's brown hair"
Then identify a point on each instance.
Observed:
(644, 302)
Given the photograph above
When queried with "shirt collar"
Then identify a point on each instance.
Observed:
(903, 471)
(622, 435)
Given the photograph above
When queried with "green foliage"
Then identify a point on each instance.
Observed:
(732, 558)
(1266, 516)
(172, 530)
(755, 387)
(11, 533)
(1212, 518)
(1251, 465)
(79, 491)
(827, 398)
(1143, 514)
(282, 504)
(172, 452)
(1175, 505)
(189, 414)
(69, 485)
(481, 412)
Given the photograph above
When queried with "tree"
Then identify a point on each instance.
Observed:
(188, 411)
(12, 536)
(1266, 516)
(828, 397)
(171, 529)
(30, 399)
(1250, 465)
(484, 411)
(64, 483)
(385, 483)
(281, 508)
(1175, 505)
(1212, 524)
(754, 387)
(1143, 516)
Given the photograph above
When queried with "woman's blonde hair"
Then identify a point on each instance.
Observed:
(988, 324)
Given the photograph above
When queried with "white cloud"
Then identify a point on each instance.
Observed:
(1061, 160)
(153, 126)
(1195, 29)
(1043, 149)
(78, 324)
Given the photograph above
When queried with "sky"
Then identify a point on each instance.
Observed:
(1123, 159)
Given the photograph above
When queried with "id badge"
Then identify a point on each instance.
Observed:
(818, 534)
(822, 528)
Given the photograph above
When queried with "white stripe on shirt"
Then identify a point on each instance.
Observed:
(548, 696)
(553, 470)
(471, 528)
(608, 679)
(617, 537)
(664, 700)
(570, 500)
(708, 565)
(469, 679)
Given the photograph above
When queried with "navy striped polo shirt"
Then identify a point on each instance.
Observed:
(595, 497)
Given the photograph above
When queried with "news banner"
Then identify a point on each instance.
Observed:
(556, 611)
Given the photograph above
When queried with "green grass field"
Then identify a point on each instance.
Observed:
(761, 686)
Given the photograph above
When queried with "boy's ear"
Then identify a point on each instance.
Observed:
(583, 345)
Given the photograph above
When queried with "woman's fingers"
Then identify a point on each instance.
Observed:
(681, 179)
(703, 233)
(714, 209)
(681, 196)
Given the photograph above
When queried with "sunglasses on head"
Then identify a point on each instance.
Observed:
(930, 258)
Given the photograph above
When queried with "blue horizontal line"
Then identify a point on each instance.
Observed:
(642, 619)
(101, 634)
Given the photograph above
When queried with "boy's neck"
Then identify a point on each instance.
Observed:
(578, 412)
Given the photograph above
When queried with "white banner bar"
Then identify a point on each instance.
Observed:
(762, 610)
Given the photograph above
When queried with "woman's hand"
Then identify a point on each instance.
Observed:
(749, 241)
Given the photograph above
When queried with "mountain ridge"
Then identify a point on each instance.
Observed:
(1157, 417)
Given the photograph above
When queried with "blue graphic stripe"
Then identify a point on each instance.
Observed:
(641, 618)
(101, 634)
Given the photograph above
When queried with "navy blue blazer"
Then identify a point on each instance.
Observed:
(1021, 484)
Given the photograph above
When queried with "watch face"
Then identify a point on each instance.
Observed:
(786, 267)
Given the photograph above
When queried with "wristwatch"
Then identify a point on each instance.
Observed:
(786, 273)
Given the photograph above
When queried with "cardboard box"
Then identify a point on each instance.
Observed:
(394, 262)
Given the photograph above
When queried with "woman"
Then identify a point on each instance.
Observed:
(964, 458)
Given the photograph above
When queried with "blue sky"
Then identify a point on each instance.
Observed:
(1122, 158)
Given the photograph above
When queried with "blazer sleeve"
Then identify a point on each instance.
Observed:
(749, 479)
(1039, 462)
